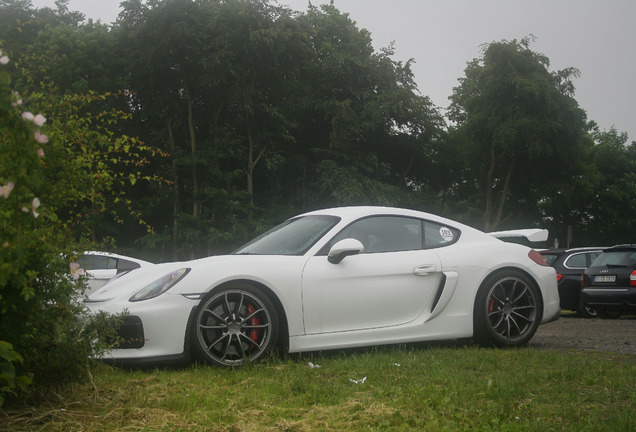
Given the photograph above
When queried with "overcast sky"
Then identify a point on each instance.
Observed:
(597, 37)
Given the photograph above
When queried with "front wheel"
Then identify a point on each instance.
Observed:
(235, 325)
(508, 310)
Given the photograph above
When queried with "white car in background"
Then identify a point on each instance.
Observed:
(330, 279)
(101, 267)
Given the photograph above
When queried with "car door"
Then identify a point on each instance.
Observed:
(390, 283)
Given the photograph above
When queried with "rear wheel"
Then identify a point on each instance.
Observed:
(586, 311)
(508, 310)
(611, 314)
(235, 325)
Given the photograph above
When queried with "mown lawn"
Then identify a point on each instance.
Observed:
(406, 388)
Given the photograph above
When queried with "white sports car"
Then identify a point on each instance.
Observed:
(336, 278)
(102, 267)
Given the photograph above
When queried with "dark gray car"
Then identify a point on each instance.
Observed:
(569, 265)
(609, 284)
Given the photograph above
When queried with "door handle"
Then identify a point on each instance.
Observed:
(425, 269)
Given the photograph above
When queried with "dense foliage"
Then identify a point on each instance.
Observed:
(62, 171)
(251, 113)
(265, 113)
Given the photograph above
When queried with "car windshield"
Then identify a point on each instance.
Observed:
(292, 237)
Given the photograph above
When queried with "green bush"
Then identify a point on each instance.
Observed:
(8, 378)
(51, 190)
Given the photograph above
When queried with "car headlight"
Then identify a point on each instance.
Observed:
(160, 286)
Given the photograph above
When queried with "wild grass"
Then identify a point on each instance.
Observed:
(406, 388)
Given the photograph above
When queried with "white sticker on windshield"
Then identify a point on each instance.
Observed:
(446, 233)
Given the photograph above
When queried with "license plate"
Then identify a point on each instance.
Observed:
(605, 279)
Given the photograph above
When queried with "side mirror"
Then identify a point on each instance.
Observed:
(344, 248)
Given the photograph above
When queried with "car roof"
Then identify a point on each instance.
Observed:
(622, 247)
(352, 213)
(571, 250)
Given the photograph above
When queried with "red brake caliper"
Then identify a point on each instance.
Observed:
(491, 305)
(253, 321)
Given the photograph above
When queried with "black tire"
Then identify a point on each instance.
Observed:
(508, 310)
(235, 325)
(610, 314)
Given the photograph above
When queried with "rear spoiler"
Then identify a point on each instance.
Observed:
(532, 235)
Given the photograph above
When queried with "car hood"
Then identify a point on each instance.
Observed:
(204, 273)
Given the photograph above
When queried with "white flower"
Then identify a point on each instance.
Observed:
(34, 205)
(40, 137)
(39, 120)
(76, 270)
(5, 190)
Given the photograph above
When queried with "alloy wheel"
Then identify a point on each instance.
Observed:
(235, 326)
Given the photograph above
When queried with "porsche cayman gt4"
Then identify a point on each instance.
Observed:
(330, 279)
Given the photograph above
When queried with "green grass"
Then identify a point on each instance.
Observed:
(407, 388)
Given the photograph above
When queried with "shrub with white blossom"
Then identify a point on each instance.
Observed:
(55, 159)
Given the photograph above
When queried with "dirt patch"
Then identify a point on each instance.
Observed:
(596, 334)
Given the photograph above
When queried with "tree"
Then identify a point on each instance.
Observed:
(72, 59)
(208, 79)
(362, 125)
(604, 212)
(517, 116)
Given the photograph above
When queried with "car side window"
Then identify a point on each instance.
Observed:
(436, 235)
(576, 261)
(384, 234)
(396, 233)
(98, 262)
(593, 256)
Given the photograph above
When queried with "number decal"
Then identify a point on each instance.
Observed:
(446, 233)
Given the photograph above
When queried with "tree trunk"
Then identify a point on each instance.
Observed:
(489, 176)
(504, 194)
(196, 206)
(175, 202)
(250, 166)
(251, 163)
(491, 225)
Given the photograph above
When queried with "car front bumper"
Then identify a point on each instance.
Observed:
(150, 331)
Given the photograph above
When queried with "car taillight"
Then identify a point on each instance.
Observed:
(632, 279)
(537, 257)
(559, 277)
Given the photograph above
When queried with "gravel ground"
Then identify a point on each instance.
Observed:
(571, 333)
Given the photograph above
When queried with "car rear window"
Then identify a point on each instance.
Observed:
(617, 259)
(97, 262)
(550, 257)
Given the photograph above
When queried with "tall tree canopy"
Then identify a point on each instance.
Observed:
(265, 112)
(516, 116)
